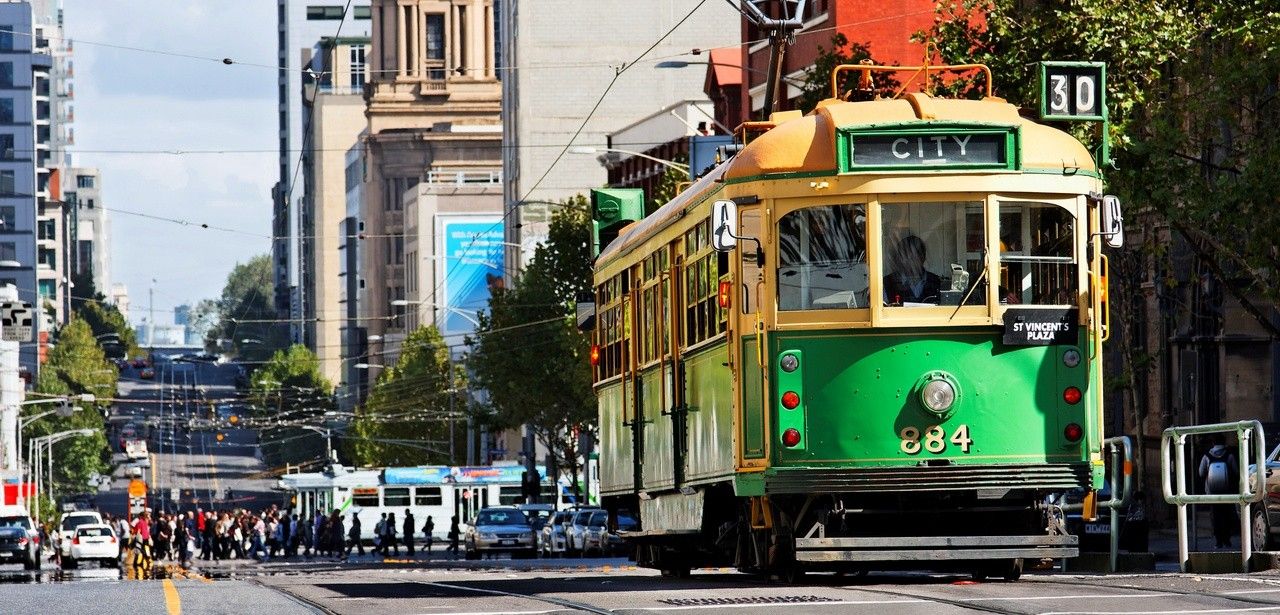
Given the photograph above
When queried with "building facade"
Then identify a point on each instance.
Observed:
(433, 107)
(90, 252)
(300, 24)
(333, 107)
(551, 81)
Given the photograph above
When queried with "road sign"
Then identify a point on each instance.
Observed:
(137, 488)
(16, 321)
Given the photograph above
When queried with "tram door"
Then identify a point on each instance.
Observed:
(467, 501)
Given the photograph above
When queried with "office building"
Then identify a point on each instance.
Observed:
(91, 227)
(300, 24)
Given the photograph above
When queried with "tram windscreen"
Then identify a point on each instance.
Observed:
(1037, 254)
(932, 253)
(822, 258)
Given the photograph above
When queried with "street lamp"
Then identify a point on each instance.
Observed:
(592, 150)
(369, 366)
(44, 444)
(463, 313)
(64, 411)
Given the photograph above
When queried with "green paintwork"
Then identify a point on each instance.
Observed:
(748, 484)
(860, 393)
(658, 464)
(753, 419)
(615, 438)
(791, 381)
(709, 395)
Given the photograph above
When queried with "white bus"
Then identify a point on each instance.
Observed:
(439, 492)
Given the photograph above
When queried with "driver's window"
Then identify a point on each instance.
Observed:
(931, 253)
(752, 274)
(822, 258)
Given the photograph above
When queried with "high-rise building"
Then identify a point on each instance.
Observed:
(556, 79)
(300, 24)
(53, 115)
(91, 229)
(333, 115)
(354, 381)
(433, 106)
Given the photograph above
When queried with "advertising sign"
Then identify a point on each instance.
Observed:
(470, 251)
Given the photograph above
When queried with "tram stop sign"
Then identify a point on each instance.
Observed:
(137, 488)
(1073, 91)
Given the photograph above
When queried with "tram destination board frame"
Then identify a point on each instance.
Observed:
(929, 147)
(1073, 91)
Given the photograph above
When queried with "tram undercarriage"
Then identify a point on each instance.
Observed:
(980, 533)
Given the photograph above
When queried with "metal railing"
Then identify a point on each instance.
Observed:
(1121, 449)
(1174, 442)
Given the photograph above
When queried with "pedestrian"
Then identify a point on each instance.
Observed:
(285, 534)
(353, 537)
(379, 531)
(259, 535)
(180, 537)
(210, 537)
(336, 534)
(409, 530)
(1219, 472)
(428, 531)
(453, 537)
(199, 533)
(140, 544)
(389, 537)
(294, 538)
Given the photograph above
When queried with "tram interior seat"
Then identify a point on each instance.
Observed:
(831, 285)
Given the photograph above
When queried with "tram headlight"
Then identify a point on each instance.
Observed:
(938, 395)
(789, 363)
(1071, 357)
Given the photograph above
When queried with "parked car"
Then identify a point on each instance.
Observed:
(500, 530)
(1266, 514)
(576, 530)
(19, 541)
(595, 535)
(551, 540)
(623, 522)
(147, 373)
(92, 541)
(67, 528)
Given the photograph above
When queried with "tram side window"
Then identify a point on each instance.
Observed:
(704, 268)
(427, 496)
(395, 496)
(822, 258)
(932, 253)
(752, 274)
(510, 495)
(614, 327)
(1037, 254)
(365, 497)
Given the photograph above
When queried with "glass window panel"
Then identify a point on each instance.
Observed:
(395, 496)
(822, 258)
(928, 256)
(1037, 254)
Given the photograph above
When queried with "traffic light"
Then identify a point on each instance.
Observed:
(612, 209)
(220, 437)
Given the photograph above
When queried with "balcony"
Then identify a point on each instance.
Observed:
(464, 177)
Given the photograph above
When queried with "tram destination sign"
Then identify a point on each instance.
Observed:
(918, 149)
(1041, 326)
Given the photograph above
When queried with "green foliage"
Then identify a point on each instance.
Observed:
(528, 355)
(110, 328)
(246, 302)
(76, 366)
(669, 186)
(817, 78)
(291, 381)
(407, 418)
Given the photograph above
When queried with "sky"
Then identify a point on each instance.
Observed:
(141, 100)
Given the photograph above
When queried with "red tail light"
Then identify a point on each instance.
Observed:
(22, 541)
(75, 541)
(791, 437)
(1073, 432)
(790, 400)
(595, 355)
(723, 295)
(1072, 395)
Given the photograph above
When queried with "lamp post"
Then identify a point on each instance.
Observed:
(463, 313)
(86, 398)
(662, 161)
(43, 445)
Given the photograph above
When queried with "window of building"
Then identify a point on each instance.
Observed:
(358, 66)
(7, 147)
(84, 181)
(8, 251)
(324, 12)
(48, 288)
(6, 37)
(47, 257)
(395, 496)
(8, 183)
(8, 219)
(434, 35)
(822, 258)
(6, 74)
(6, 110)
(427, 496)
(46, 229)
(362, 12)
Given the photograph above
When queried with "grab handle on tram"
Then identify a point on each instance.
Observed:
(1105, 299)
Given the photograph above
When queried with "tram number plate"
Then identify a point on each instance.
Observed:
(933, 439)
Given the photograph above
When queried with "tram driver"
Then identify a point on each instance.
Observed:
(910, 282)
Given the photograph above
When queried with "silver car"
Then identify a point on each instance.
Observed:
(595, 537)
(500, 530)
(552, 541)
(576, 531)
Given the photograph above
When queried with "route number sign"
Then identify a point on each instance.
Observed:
(1073, 91)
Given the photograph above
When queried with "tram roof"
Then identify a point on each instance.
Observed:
(807, 145)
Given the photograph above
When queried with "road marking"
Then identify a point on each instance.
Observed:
(1177, 612)
(171, 600)
(767, 604)
(1075, 597)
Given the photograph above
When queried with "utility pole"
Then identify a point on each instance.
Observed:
(782, 33)
(11, 394)
(151, 318)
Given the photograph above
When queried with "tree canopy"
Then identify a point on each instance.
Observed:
(246, 319)
(110, 328)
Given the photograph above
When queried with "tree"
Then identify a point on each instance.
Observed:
(669, 186)
(410, 412)
(110, 328)
(817, 78)
(528, 354)
(289, 390)
(77, 365)
(246, 321)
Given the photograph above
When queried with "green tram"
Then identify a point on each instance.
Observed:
(870, 339)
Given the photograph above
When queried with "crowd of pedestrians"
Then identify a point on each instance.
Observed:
(272, 533)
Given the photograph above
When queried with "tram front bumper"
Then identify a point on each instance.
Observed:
(933, 548)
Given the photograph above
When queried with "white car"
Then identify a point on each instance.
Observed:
(67, 528)
(95, 541)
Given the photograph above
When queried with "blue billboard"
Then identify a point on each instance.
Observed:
(470, 266)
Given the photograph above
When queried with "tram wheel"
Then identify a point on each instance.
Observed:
(792, 574)
(1012, 570)
(678, 572)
